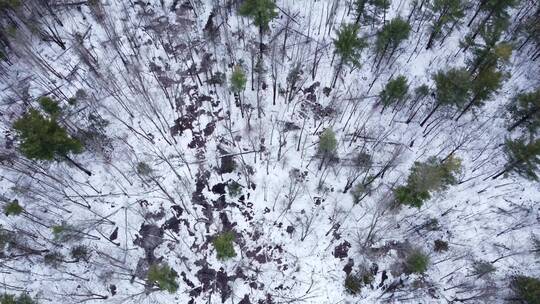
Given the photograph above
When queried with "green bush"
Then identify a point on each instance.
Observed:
(417, 262)
(526, 289)
(143, 168)
(234, 188)
(482, 268)
(327, 142)
(353, 284)
(13, 208)
(164, 277)
(224, 245)
(12, 299)
(238, 79)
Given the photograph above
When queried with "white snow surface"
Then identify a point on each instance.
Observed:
(480, 218)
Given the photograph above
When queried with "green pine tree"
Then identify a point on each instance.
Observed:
(394, 92)
(425, 177)
(348, 46)
(416, 262)
(327, 142)
(163, 276)
(223, 243)
(262, 12)
(447, 14)
(484, 85)
(452, 88)
(524, 112)
(42, 138)
(526, 289)
(390, 37)
(238, 79)
(523, 158)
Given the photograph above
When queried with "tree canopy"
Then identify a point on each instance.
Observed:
(43, 138)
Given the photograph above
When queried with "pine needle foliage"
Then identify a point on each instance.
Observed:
(392, 34)
(348, 45)
(43, 138)
(426, 177)
(524, 112)
(223, 243)
(327, 142)
(261, 11)
(23, 298)
(164, 277)
(416, 262)
(395, 91)
(13, 208)
(238, 79)
(526, 289)
(523, 157)
(453, 87)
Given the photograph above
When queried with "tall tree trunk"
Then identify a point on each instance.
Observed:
(430, 114)
(77, 165)
(467, 107)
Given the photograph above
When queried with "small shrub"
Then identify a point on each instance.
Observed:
(234, 188)
(25, 299)
(327, 142)
(13, 208)
(224, 245)
(65, 233)
(353, 284)
(144, 169)
(7, 299)
(218, 78)
(53, 259)
(526, 289)
(80, 252)
(481, 268)
(360, 191)
(238, 79)
(164, 277)
(440, 246)
(228, 164)
(7, 238)
(417, 262)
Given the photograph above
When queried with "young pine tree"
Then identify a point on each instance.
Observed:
(523, 158)
(223, 243)
(452, 88)
(238, 84)
(526, 289)
(446, 15)
(394, 92)
(42, 138)
(484, 85)
(163, 276)
(348, 46)
(524, 112)
(327, 145)
(262, 12)
(426, 177)
(390, 37)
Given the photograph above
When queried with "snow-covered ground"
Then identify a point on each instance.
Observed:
(144, 68)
